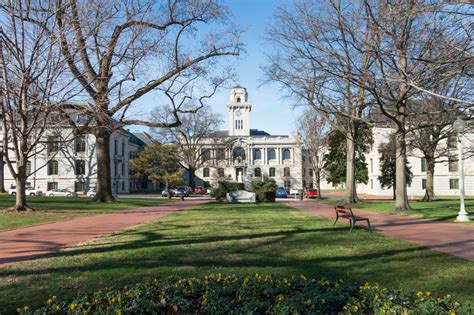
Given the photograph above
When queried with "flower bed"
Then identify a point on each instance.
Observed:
(259, 294)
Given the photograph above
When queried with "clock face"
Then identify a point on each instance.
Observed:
(238, 112)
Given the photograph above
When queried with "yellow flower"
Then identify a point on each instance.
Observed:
(119, 312)
(420, 294)
(72, 306)
(50, 301)
(428, 293)
(308, 302)
(18, 310)
(246, 280)
(280, 297)
(25, 308)
(356, 308)
(303, 277)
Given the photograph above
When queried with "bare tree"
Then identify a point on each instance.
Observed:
(321, 59)
(31, 86)
(313, 131)
(192, 136)
(120, 51)
(412, 47)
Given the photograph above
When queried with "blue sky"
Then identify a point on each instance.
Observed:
(270, 111)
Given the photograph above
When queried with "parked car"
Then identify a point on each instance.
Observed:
(199, 190)
(166, 191)
(29, 191)
(91, 193)
(311, 193)
(12, 190)
(178, 191)
(281, 193)
(61, 192)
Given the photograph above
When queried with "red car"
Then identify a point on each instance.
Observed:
(311, 193)
(199, 190)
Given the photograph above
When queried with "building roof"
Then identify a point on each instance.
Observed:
(145, 138)
(253, 133)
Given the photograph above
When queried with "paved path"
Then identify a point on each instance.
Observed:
(31, 242)
(451, 238)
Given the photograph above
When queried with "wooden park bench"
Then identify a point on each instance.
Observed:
(346, 212)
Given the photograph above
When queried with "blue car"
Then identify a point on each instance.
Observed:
(281, 193)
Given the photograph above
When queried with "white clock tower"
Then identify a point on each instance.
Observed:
(239, 112)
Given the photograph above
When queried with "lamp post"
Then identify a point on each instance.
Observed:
(459, 125)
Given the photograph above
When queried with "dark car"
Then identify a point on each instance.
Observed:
(167, 191)
(281, 193)
(311, 193)
(199, 190)
(180, 191)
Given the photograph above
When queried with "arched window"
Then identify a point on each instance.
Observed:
(220, 172)
(257, 154)
(286, 171)
(205, 172)
(286, 154)
(271, 154)
(28, 168)
(271, 172)
(239, 153)
(238, 99)
(258, 172)
(53, 167)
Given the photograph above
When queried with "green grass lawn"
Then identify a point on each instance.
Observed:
(242, 239)
(440, 210)
(49, 209)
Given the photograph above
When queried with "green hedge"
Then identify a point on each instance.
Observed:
(264, 190)
(259, 294)
(220, 192)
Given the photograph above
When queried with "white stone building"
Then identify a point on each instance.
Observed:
(446, 176)
(69, 162)
(243, 154)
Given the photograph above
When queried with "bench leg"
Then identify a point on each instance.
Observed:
(368, 224)
(352, 222)
(337, 218)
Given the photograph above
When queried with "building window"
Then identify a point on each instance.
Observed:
(257, 154)
(220, 154)
(123, 169)
(303, 159)
(304, 174)
(311, 172)
(423, 183)
(452, 141)
(205, 172)
(28, 168)
(79, 186)
(220, 172)
(453, 183)
(287, 183)
(371, 184)
(80, 167)
(286, 171)
(239, 153)
(53, 168)
(238, 99)
(80, 144)
(452, 164)
(258, 172)
(271, 172)
(53, 144)
(115, 146)
(52, 185)
(423, 164)
(123, 186)
(286, 154)
(123, 149)
(271, 154)
(206, 155)
(239, 124)
(371, 165)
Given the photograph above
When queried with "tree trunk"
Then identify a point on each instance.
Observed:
(104, 182)
(401, 200)
(167, 187)
(351, 195)
(191, 174)
(317, 172)
(20, 198)
(429, 191)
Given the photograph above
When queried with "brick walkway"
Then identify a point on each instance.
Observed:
(450, 238)
(31, 242)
